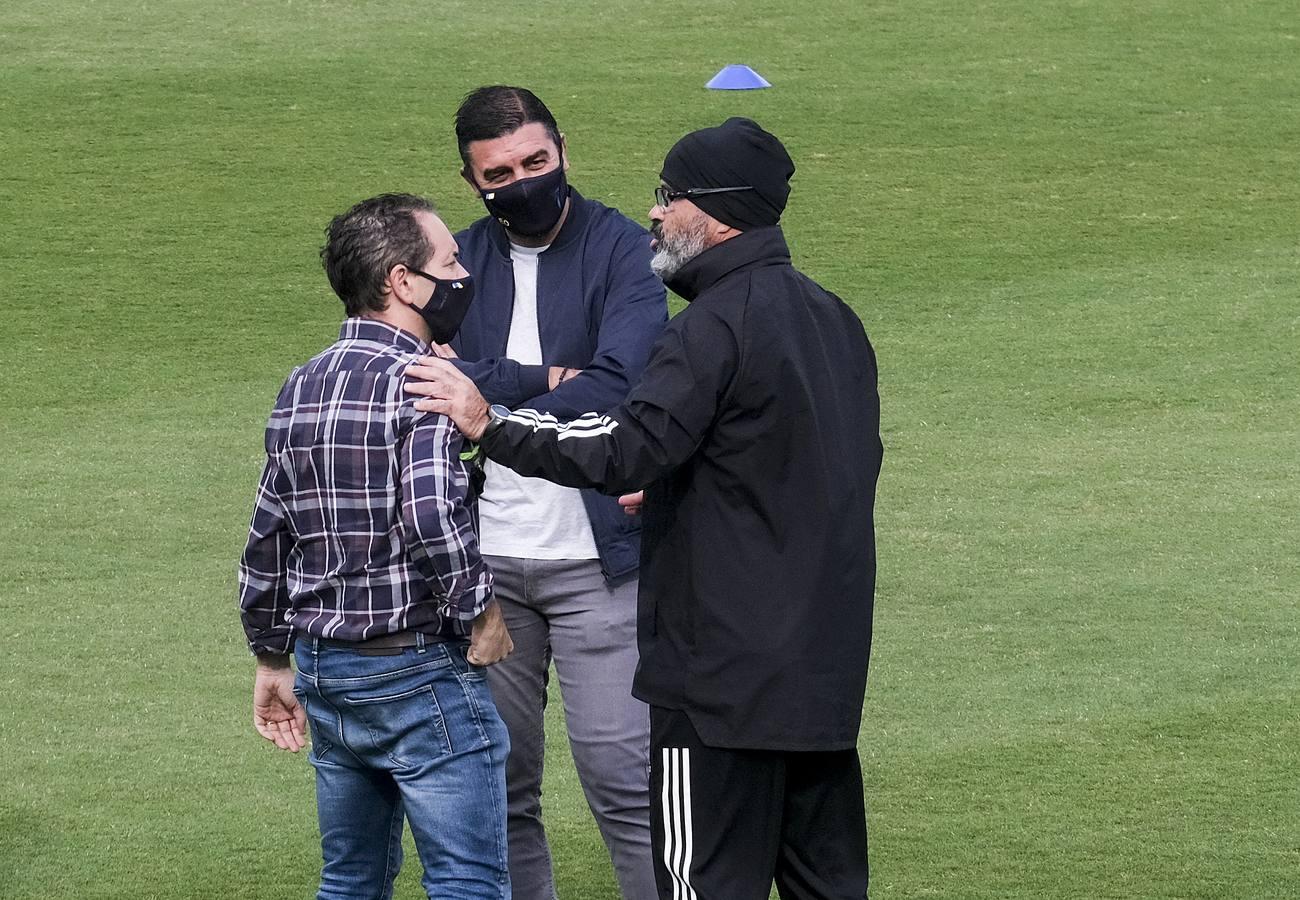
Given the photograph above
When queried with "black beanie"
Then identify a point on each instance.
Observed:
(734, 154)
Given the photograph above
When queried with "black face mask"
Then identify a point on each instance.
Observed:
(529, 206)
(447, 307)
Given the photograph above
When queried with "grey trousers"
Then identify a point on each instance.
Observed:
(563, 610)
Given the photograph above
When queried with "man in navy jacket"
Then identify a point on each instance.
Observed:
(567, 309)
(755, 433)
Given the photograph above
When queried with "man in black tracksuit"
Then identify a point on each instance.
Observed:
(754, 432)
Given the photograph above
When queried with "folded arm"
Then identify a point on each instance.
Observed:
(632, 316)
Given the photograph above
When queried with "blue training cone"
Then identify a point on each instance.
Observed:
(737, 78)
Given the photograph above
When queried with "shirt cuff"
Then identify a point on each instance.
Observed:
(470, 605)
(534, 381)
(272, 644)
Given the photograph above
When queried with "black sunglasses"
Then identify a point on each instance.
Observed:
(665, 195)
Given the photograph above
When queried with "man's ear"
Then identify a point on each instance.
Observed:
(723, 231)
(469, 179)
(398, 285)
(719, 231)
(564, 151)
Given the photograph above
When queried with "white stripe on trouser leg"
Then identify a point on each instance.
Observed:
(670, 824)
(687, 822)
(675, 796)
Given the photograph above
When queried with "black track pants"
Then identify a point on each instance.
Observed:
(725, 822)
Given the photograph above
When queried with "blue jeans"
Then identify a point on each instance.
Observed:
(414, 734)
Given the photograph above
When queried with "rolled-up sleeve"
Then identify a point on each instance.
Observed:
(264, 601)
(437, 522)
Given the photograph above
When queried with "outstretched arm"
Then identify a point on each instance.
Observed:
(656, 430)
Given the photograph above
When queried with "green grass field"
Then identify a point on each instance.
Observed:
(1071, 228)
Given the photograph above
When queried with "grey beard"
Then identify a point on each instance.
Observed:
(674, 252)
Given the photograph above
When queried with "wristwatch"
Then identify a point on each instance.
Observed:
(497, 415)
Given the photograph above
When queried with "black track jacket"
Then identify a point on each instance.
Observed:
(755, 431)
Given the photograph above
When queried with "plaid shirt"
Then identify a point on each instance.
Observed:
(363, 524)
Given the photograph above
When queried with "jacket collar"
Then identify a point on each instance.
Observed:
(574, 224)
(760, 246)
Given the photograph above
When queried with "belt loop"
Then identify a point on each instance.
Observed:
(419, 641)
(315, 647)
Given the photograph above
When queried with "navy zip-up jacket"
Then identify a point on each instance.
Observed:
(599, 308)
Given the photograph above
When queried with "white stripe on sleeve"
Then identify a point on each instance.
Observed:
(586, 425)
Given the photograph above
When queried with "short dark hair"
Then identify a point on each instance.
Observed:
(496, 110)
(363, 244)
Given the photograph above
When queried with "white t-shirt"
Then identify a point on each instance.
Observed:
(530, 518)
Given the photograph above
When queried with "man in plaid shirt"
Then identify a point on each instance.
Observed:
(363, 563)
